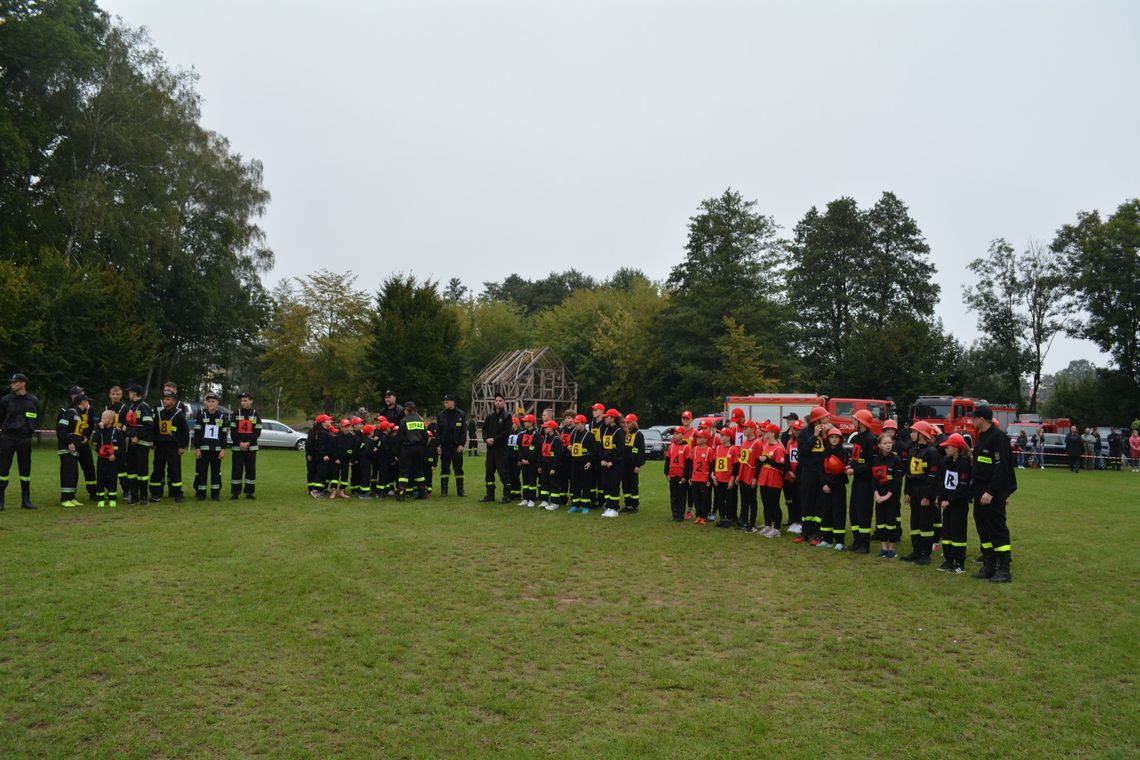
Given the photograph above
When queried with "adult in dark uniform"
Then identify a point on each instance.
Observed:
(496, 429)
(993, 481)
(83, 447)
(452, 426)
(171, 439)
(210, 427)
(392, 411)
(245, 430)
(19, 412)
(138, 427)
(412, 437)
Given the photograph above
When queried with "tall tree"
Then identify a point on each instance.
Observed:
(413, 342)
(532, 296)
(1019, 300)
(1102, 261)
(898, 269)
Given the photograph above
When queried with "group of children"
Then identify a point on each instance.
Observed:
(711, 470)
(359, 459)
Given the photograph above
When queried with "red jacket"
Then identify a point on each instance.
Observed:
(772, 471)
(702, 458)
(677, 460)
(749, 454)
(727, 463)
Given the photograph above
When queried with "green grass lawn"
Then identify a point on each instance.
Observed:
(297, 628)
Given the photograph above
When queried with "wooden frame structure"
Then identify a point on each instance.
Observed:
(531, 379)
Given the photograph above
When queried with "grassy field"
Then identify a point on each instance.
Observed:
(288, 627)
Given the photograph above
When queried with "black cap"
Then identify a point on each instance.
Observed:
(409, 404)
(791, 416)
(211, 394)
(449, 397)
(19, 377)
(245, 394)
(81, 397)
(389, 393)
(74, 390)
(169, 394)
(136, 388)
(984, 412)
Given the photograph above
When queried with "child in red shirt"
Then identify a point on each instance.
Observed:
(771, 480)
(750, 450)
(678, 466)
(701, 459)
(727, 459)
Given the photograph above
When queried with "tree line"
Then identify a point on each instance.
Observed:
(132, 251)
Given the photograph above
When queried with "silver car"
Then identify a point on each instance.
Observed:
(276, 434)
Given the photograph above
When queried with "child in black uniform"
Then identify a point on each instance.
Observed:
(954, 501)
(887, 475)
(833, 500)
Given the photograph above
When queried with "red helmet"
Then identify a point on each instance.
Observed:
(346, 422)
(865, 417)
(368, 429)
(737, 413)
(922, 427)
(580, 418)
(818, 413)
(598, 406)
(890, 425)
(612, 413)
(356, 420)
(631, 417)
(529, 418)
(686, 415)
(681, 431)
(796, 425)
(833, 431)
(321, 418)
(550, 424)
(956, 441)
(514, 420)
(833, 465)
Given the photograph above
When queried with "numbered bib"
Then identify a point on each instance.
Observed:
(794, 455)
(210, 431)
(245, 426)
(917, 466)
(951, 482)
(745, 455)
(547, 450)
(608, 442)
(880, 473)
(164, 427)
(577, 449)
(722, 464)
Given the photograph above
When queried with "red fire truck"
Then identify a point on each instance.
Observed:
(955, 414)
(775, 406)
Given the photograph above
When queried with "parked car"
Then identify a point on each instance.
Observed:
(276, 435)
(1055, 450)
(654, 444)
(665, 431)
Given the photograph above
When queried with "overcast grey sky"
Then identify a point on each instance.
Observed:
(475, 139)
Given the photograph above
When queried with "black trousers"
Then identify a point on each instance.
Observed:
(922, 523)
(362, 476)
(87, 466)
(312, 467)
(609, 480)
(497, 465)
(167, 470)
(563, 496)
(809, 497)
(450, 459)
(243, 471)
(701, 501)
(833, 513)
(991, 525)
(954, 520)
(579, 483)
(19, 447)
(208, 473)
(724, 501)
(547, 482)
(106, 473)
(68, 474)
(791, 491)
(138, 460)
(529, 475)
(631, 486)
(888, 528)
(411, 467)
(122, 463)
(748, 504)
(678, 497)
(862, 510)
(770, 496)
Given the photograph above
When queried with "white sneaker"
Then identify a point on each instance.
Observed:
(551, 507)
(523, 503)
(796, 528)
(530, 503)
(544, 504)
(610, 513)
(773, 533)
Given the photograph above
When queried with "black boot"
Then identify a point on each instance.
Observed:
(26, 497)
(986, 571)
(1001, 569)
(915, 553)
(489, 498)
(443, 486)
(459, 486)
(924, 546)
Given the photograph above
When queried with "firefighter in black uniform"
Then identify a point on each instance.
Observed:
(109, 446)
(809, 471)
(994, 480)
(594, 474)
(631, 467)
(431, 455)
(119, 407)
(611, 459)
(138, 427)
(245, 429)
(412, 437)
(452, 436)
(83, 448)
(19, 412)
(171, 438)
(210, 428)
(926, 482)
(71, 431)
(392, 411)
(496, 429)
(861, 512)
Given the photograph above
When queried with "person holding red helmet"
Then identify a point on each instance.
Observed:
(611, 458)
(863, 445)
(887, 473)
(632, 464)
(678, 468)
(833, 499)
(925, 481)
(809, 448)
(954, 503)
